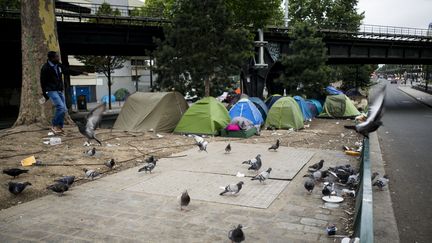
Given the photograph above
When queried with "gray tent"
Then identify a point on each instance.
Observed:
(158, 111)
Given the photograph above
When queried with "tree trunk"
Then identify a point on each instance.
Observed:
(109, 88)
(38, 36)
(207, 87)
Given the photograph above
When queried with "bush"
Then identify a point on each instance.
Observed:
(121, 94)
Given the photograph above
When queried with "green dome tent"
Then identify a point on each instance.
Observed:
(158, 111)
(284, 114)
(206, 116)
(339, 106)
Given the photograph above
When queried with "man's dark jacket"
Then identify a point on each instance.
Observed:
(49, 79)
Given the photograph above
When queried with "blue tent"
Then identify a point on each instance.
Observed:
(260, 105)
(245, 108)
(105, 99)
(312, 108)
(271, 100)
(333, 91)
(317, 105)
(307, 114)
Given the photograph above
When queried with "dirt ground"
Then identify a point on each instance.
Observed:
(129, 150)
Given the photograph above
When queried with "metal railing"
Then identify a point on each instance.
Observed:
(363, 219)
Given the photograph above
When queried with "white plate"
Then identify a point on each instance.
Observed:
(332, 199)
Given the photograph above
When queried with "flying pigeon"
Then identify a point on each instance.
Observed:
(381, 182)
(91, 152)
(17, 187)
(184, 200)
(59, 188)
(91, 173)
(309, 183)
(68, 180)
(233, 188)
(236, 235)
(228, 148)
(110, 163)
(14, 172)
(274, 147)
(92, 121)
(255, 163)
(375, 113)
(327, 189)
(262, 176)
(316, 166)
(151, 159)
(148, 167)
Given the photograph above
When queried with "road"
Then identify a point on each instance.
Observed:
(406, 144)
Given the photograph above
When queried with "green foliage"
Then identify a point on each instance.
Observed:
(203, 45)
(305, 71)
(10, 4)
(106, 9)
(354, 76)
(121, 94)
(343, 15)
(256, 13)
(103, 64)
(155, 9)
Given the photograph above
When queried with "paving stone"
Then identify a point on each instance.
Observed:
(323, 217)
(11, 239)
(313, 222)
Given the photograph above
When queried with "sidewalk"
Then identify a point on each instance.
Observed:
(420, 96)
(136, 207)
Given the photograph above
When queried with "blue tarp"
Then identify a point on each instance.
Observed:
(271, 100)
(260, 105)
(333, 91)
(307, 114)
(245, 108)
(105, 99)
(317, 105)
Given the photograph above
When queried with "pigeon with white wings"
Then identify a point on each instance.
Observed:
(92, 121)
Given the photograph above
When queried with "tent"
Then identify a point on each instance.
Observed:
(353, 92)
(307, 114)
(260, 105)
(284, 114)
(104, 99)
(245, 108)
(333, 91)
(317, 104)
(206, 116)
(313, 109)
(271, 100)
(158, 111)
(339, 106)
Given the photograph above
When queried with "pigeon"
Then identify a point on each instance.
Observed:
(327, 189)
(14, 172)
(92, 121)
(91, 152)
(198, 139)
(375, 113)
(17, 187)
(148, 167)
(202, 146)
(274, 147)
(91, 173)
(262, 176)
(236, 235)
(317, 166)
(309, 183)
(68, 180)
(151, 159)
(255, 163)
(233, 188)
(381, 182)
(59, 188)
(353, 181)
(228, 148)
(184, 200)
(374, 175)
(317, 175)
(110, 163)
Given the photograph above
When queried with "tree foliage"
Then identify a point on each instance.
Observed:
(10, 4)
(203, 47)
(305, 71)
(355, 76)
(256, 13)
(155, 8)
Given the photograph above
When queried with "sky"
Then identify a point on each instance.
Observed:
(401, 13)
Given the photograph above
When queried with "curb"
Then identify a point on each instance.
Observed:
(412, 96)
(385, 226)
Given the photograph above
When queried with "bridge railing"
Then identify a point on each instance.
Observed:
(363, 218)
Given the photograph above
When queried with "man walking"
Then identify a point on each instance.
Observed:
(52, 87)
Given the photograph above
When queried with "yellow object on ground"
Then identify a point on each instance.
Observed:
(352, 153)
(28, 161)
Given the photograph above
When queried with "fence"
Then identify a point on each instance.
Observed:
(363, 219)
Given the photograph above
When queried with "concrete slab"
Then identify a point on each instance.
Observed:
(286, 162)
(206, 187)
